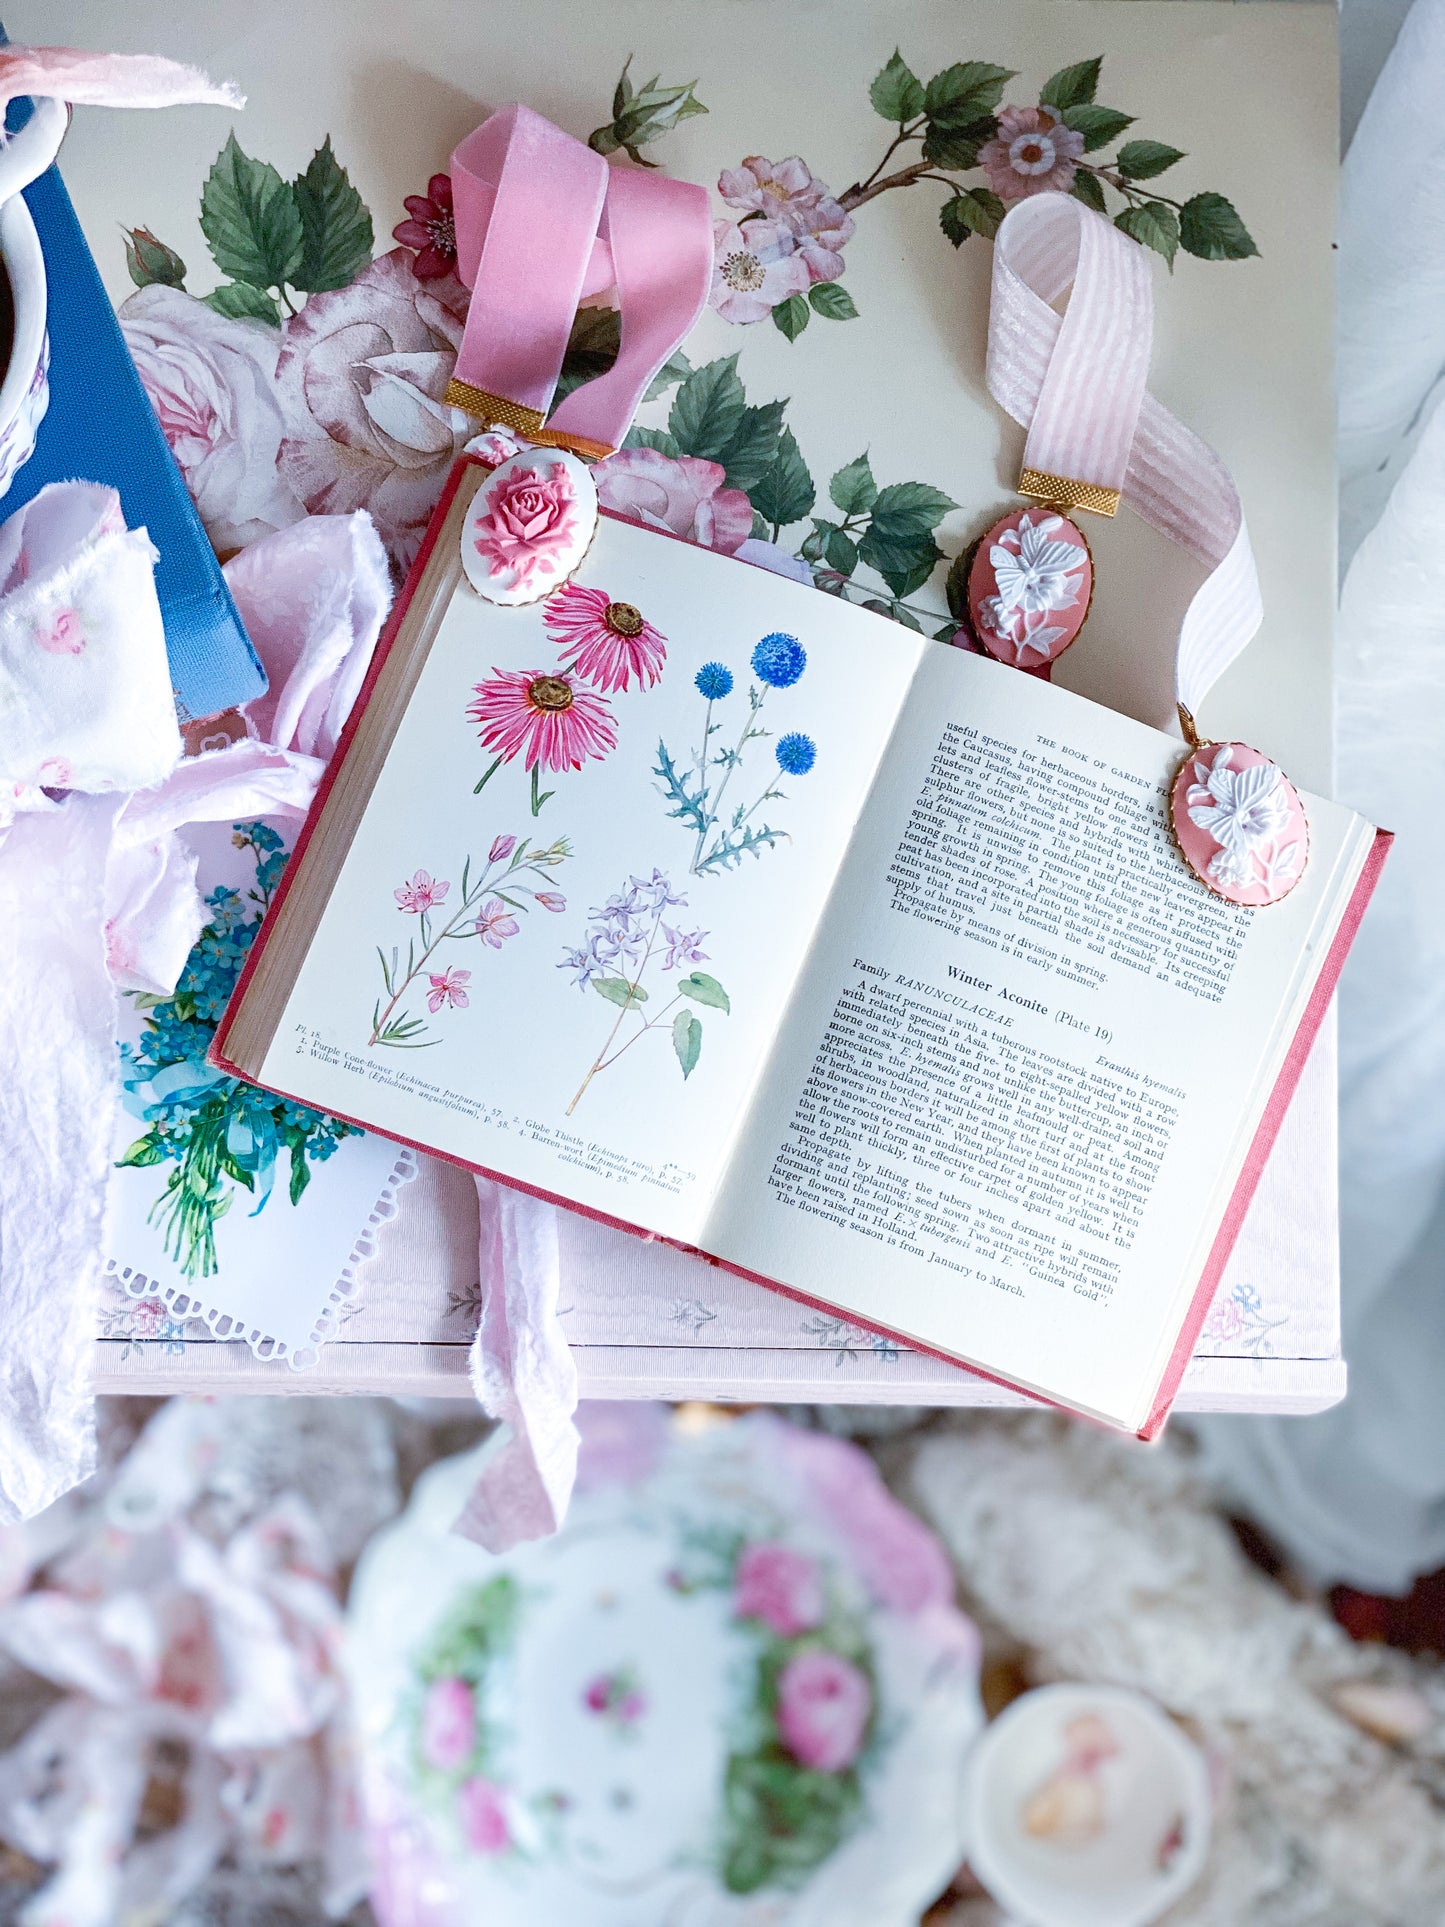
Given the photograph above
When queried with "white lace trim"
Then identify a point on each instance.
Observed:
(264, 1346)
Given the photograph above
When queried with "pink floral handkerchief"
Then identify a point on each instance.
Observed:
(85, 689)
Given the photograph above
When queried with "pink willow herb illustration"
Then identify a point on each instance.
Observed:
(549, 717)
(779, 251)
(486, 911)
(624, 938)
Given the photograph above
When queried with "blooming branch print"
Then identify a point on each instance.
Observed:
(697, 789)
(624, 939)
(780, 252)
(484, 911)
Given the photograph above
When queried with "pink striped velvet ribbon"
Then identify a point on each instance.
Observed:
(1077, 383)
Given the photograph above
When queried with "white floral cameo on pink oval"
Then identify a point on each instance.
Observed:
(1029, 587)
(1240, 824)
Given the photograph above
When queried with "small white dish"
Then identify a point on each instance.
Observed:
(1113, 1842)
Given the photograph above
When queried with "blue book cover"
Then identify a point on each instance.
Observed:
(100, 427)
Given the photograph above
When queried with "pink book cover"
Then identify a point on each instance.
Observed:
(1230, 1224)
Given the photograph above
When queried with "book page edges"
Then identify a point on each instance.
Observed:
(247, 1027)
(1264, 1137)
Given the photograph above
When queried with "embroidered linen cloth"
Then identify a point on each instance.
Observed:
(85, 689)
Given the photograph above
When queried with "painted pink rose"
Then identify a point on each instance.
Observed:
(823, 1707)
(1225, 1320)
(481, 1807)
(681, 493)
(1032, 153)
(783, 191)
(530, 523)
(781, 1587)
(63, 634)
(362, 381)
(901, 1562)
(754, 268)
(212, 383)
(448, 1724)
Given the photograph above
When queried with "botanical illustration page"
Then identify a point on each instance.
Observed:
(569, 922)
(1030, 1049)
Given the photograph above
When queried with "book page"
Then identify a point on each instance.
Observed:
(574, 981)
(1030, 1049)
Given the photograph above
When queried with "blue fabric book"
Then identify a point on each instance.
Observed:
(100, 427)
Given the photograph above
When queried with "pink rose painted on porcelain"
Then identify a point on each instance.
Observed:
(683, 494)
(448, 1724)
(1240, 823)
(824, 1703)
(781, 1587)
(481, 1808)
(62, 634)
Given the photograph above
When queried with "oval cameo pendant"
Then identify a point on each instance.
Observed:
(1029, 587)
(530, 524)
(1239, 823)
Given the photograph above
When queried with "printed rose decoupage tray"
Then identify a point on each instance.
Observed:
(828, 415)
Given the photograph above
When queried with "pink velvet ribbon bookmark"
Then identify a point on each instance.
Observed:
(543, 224)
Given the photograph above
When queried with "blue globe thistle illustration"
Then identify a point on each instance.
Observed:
(714, 680)
(779, 660)
(796, 753)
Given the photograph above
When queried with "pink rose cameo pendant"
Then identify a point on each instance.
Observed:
(1028, 583)
(529, 526)
(1238, 821)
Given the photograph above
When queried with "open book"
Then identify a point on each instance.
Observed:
(864, 966)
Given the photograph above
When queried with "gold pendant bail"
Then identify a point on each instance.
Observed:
(1188, 725)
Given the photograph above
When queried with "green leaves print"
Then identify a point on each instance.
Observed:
(890, 529)
(271, 237)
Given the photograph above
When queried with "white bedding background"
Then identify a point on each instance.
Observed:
(1358, 1493)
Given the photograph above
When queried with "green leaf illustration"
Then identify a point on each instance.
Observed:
(657, 438)
(1210, 227)
(145, 1150)
(617, 990)
(687, 1041)
(853, 488)
(785, 493)
(1072, 86)
(904, 562)
(704, 990)
(1155, 224)
(840, 551)
(832, 300)
(641, 114)
(251, 220)
(965, 92)
(592, 345)
(1089, 189)
(957, 147)
(335, 226)
(238, 301)
(151, 262)
(791, 316)
(300, 1173)
(676, 368)
(1098, 125)
(1142, 160)
(753, 445)
(897, 92)
(707, 409)
(975, 210)
(905, 509)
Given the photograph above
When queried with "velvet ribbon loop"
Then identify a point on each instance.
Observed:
(543, 223)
